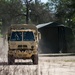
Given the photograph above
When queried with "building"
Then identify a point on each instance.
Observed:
(55, 38)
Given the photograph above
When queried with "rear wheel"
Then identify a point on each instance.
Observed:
(35, 59)
(10, 59)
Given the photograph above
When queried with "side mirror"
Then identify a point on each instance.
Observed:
(8, 38)
(39, 35)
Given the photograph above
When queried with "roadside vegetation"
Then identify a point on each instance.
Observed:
(54, 10)
(14, 11)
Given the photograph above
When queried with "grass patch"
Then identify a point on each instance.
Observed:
(69, 60)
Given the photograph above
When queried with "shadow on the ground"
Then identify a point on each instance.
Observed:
(57, 54)
(17, 63)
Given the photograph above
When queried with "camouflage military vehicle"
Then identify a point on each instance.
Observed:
(23, 43)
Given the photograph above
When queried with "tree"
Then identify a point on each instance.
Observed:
(64, 11)
(40, 13)
(9, 9)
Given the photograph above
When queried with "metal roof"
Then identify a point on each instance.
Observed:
(44, 24)
(49, 23)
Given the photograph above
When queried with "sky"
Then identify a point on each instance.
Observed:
(44, 1)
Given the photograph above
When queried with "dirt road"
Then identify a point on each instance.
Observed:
(63, 65)
(57, 65)
(46, 66)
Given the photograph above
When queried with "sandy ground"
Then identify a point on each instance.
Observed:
(63, 65)
(57, 65)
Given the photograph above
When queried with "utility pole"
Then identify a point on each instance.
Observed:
(27, 11)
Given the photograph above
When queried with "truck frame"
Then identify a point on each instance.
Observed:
(23, 42)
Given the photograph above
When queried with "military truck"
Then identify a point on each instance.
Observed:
(23, 42)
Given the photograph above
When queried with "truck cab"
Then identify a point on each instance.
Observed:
(23, 43)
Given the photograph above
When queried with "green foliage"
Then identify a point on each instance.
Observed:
(40, 13)
(9, 10)
(64, 11)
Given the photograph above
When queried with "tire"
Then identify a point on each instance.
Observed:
(10, 60)
(35, 59)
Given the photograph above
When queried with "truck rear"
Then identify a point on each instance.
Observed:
(23, 43)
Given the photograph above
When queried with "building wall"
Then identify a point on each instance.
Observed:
(55, 39)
